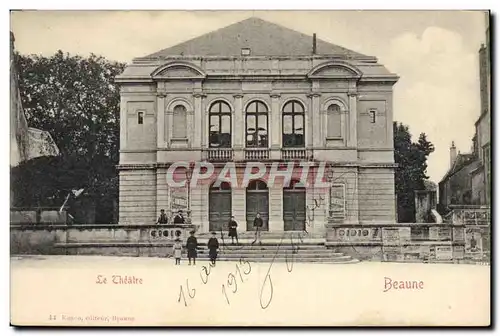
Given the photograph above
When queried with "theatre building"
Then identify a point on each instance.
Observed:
(258, 92)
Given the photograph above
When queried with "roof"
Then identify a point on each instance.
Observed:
(461, 161)
(262, 37)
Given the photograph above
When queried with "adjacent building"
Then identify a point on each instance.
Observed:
(258, 92)
(468, 181)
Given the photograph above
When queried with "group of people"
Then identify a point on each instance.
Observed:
(258, 223)
(213, 243)
(192, 249)
(178, 219)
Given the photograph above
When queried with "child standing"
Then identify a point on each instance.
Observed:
(177, 251)
(213, 245)
(192, 246)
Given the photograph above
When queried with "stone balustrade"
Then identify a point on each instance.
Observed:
(256, 154)
(218, 154)
(295, 154)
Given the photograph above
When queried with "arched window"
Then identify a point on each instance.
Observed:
(293, 124)
(334, 121)
(179, 122)
(256, 125)
(220, 125)
(223, 186)
(295, 185)
(257, 185)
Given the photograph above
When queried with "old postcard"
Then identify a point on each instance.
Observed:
(250, 168)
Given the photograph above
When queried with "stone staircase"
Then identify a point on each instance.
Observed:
(277, 247)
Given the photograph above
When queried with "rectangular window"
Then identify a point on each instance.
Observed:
(140, 117)
(179, 123)
(245, 51)
(373, 116)
(334, 121)
(334, 125)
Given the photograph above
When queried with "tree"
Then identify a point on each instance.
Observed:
(411, 158)
(76, 100)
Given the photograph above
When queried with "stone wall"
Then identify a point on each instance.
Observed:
(376, 195)
(399, 242)
(98, 239)
(137, 196)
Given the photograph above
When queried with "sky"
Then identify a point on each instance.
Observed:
(435, 53)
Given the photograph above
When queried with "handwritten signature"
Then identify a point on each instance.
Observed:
(267, 286)
(265, 301)
(205, 274)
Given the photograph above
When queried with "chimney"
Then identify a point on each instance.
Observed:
(314, 44)
(453, 153)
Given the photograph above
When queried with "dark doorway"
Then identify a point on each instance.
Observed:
(219, 206)
(294, 207)
(257, 202)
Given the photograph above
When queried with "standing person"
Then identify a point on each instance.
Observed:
(192, 247)
(213, 245)
(232, 225)
(163, 219)
(257, 224)
(179, 218)
(177, 251)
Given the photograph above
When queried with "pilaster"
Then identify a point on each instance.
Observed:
(238, 208)
(123, 122)
(160, 120)
(353, 122)
(275, 126)
(276, 223)
(198, 120)
(314, 116)
(238, 129)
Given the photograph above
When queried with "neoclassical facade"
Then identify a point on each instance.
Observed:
(258, 92)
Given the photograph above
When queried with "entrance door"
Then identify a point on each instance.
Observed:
(219, 204)
(294, 207)
(257, 202)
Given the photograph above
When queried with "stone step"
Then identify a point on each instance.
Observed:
(273, 252)
(268, 241)
(270, 257)
(201, 245)
(347, 260)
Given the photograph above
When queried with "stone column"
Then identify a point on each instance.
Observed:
(238, 129)
(314, 117)
(160, 119)
(238, 208)
(198, 120)
(191, 128)
(275, 127)
(353, 120)
(276, 223)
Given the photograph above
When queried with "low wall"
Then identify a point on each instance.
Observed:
(399, 242)
(94, 239)
(29, 216)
